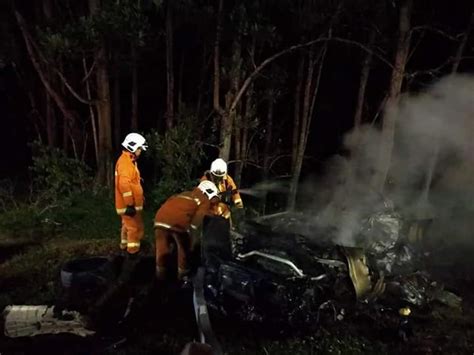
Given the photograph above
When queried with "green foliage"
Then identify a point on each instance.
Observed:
(176, 156)
(124, 21)
(56, 176)
(22, 220)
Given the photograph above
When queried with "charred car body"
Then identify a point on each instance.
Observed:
(286, 269)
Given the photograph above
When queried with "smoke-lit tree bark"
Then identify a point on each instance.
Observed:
(169, 65)
(297, 109)
(462, 45)
(391, 106)
(364, 77)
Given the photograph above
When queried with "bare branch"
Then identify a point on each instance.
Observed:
(36, 64)
(56, 70)
(71, 90)
(86, 77)
(272, 58)
(435, 30)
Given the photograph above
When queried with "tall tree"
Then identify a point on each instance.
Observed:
(364, 77)
(462, 45)
(134, 68)
(396, 81)
(169, 65)
(311, 88)
(104, 112)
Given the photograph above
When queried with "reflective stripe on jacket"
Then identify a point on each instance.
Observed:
(183, 212)
(226, 184)
(128, 188)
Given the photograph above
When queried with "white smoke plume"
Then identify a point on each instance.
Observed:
(432, 167)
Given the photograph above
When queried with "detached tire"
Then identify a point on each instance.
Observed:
(86, 272)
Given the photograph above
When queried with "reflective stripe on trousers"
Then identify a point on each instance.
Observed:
(132, 232)
(121, 211)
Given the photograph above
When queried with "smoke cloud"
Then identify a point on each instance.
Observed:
(432, 168)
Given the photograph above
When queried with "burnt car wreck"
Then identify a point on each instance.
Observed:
(283, 270)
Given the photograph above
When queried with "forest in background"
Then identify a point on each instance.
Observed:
(270, 86)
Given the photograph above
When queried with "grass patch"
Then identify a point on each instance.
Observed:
(81, 216)
(32, 277)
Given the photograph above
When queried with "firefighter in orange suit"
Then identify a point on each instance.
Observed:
(129, 205)
(178, 219)
(129, 193)
(228, 191)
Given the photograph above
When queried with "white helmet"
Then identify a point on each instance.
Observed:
(133, 141)
(219, 167)
(208, 188)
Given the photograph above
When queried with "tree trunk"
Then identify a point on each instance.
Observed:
(241, 147)
(50, 119)
(391, 106)
(180, 82)
(364, 76)
(169, 65)
(217, 68)
(202, 81)
(50, 113)
(296, 171)
(268, 143)
(105, 168)
(105, 171)
(268, 134)
(116, 103)
(238, 149)
(311, 91)
(242, 127)
(134, 55)
(48, 10)
(462, 45)
(227, 120)
(91, 114)
(297, 114)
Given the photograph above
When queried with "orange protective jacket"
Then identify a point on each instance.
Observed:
(183, 212)
(226, 184)
(128, 188)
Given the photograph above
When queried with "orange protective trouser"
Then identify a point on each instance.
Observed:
(163, 240)
(131, 233)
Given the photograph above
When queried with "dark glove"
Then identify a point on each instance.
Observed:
(130, 211)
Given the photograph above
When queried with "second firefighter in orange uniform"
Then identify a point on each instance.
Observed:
(177, 220)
